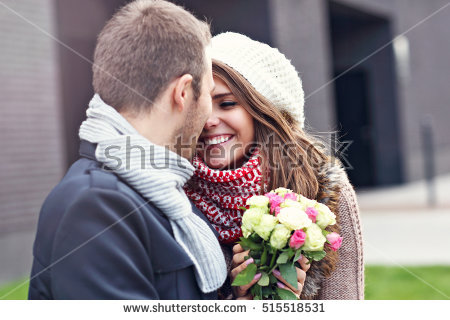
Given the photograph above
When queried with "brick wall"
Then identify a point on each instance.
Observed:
(32, 156)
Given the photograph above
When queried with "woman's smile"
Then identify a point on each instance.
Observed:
(228, 132)
(216, 140)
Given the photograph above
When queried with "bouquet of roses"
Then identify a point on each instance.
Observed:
(278, 228)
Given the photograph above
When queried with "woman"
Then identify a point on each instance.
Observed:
(254, 142)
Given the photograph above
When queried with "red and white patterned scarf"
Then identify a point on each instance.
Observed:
(219, 194)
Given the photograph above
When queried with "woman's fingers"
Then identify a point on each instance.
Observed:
(243, 290)
(301, 276)
(237, 249)
(304, 263)
(238, 264)
(239, 258)
(297, 293)
(282, 282)
(236, 270)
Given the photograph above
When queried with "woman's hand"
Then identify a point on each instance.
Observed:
(239, 263)
(301, 276)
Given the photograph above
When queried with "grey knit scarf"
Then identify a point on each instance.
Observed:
(159, 176)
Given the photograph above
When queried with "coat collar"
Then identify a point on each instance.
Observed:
(87, 149)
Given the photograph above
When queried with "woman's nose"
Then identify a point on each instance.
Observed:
(212, 121)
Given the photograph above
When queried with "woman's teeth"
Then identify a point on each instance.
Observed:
(217, 140)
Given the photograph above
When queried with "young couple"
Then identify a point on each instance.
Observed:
(181, 131)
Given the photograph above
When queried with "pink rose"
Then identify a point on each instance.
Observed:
(290, 195)
(277, 210)
(275, 201)
(297, 239)
(335, 240)
(270, 195)
(312, 213)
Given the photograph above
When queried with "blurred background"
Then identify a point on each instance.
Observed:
(377, 72)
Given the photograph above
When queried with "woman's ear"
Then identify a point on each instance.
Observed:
(182, 93)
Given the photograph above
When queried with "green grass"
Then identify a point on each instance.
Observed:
(382, 283)
(17, 290)
(396, 283)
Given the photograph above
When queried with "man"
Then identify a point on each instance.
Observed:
(118, 225)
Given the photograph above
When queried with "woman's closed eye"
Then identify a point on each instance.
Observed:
(227, 104)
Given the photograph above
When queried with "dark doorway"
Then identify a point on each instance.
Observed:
(250, 17)
(365, 95)
(353, 116)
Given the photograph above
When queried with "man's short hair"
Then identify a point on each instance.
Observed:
(142, 48)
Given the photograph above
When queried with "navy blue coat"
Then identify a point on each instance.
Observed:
(97, 238)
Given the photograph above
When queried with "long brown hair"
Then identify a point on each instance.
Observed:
(303, 167)
(290, 157)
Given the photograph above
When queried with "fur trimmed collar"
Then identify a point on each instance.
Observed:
(330, 178)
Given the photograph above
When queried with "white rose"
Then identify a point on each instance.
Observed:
(307, 202)
(291, 204)
(265, 226)
(294, 218)
(259, 202)
(280, 236)
(250, 219)
(314, 239)
(282, 191)
(324, 217)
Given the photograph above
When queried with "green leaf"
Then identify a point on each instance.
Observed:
(264, 280)
(315, 255)
(283, 258)
(273, 268)
(272, 279)
(243, 208)
(256, 292)
(267, 291)
(248, 243)
(298, 253)
(291, 252)
(286, 294)
(245, 276)
(272, 261)
(264, 256)
(289, 274)
(255, 238)
(325, 232)
(255, 254)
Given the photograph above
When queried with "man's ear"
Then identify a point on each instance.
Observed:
(183, 91)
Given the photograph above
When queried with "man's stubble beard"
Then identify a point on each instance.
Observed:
(190, 132)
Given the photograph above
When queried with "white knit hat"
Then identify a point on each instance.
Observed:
(265, 68)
